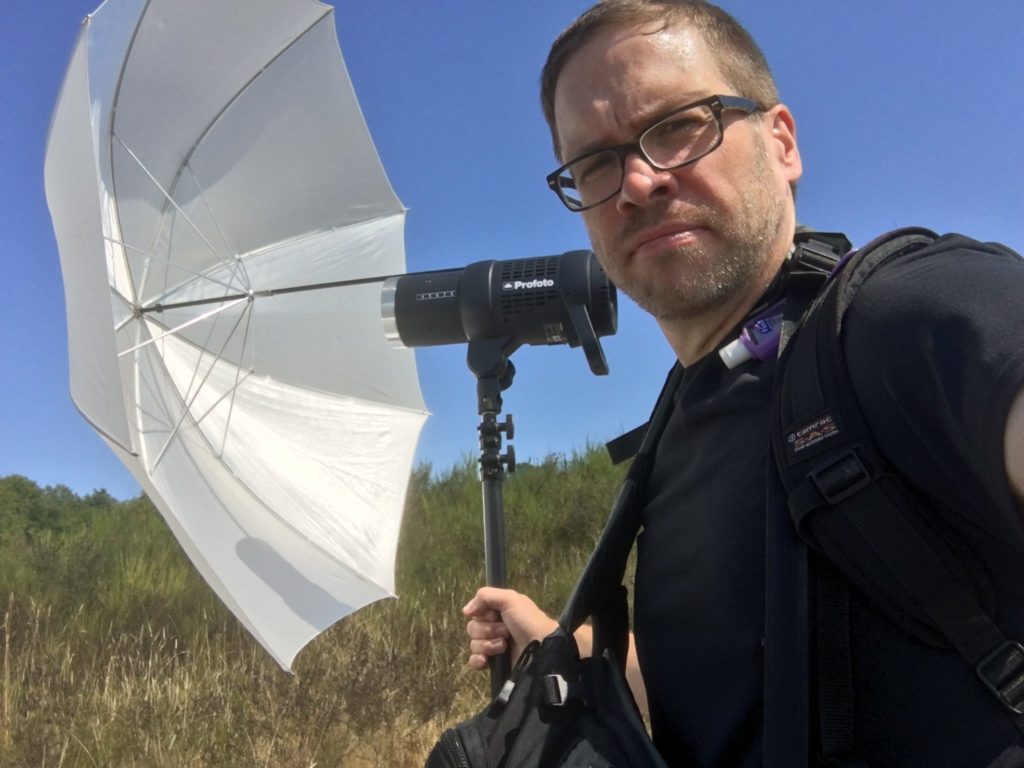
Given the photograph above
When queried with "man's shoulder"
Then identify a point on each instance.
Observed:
(956, 300)
(931, 344)
(952, 275)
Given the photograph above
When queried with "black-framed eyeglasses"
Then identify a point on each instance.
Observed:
(680, 138)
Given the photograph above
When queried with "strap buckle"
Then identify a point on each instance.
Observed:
(842, 478)
(556, 690)
(1002, 672)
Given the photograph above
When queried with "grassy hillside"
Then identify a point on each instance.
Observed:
(115, 653)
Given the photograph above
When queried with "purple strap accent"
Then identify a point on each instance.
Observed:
(839, 264)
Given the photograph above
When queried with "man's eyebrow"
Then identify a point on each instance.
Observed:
(642, 122)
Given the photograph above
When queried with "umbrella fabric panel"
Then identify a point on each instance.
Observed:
(276, 160)
(346, 353)
(290, 155)
(284, 591)
(259, 559)
(72, 196)
(325, 465)
(183, 67)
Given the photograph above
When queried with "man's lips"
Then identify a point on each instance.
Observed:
(665, 236)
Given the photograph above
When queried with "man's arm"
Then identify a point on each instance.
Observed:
(1015, 446)
(504, 618)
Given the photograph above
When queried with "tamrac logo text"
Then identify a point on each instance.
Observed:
(813, 433)
(519, 285)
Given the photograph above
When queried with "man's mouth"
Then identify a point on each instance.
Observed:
(672, 235)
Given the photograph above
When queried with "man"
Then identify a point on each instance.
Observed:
(683, 163)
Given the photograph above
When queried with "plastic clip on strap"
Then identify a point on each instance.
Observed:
(559, 692)
(819, 255)
(1002, 672)
(820, 251)
(840, 479)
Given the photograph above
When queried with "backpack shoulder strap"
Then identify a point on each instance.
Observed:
(848, 503)
(599, 593)
(786, 632)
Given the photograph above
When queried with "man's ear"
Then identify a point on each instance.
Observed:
(781, 142)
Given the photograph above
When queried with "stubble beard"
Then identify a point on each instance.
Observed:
(702, 276)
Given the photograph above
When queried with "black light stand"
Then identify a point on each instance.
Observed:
(488, 360)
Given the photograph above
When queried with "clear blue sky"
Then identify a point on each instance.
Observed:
(907, 113)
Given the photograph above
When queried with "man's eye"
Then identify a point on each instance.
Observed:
(593, 169)
(682, 127)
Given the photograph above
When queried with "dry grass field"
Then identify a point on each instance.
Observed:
(116, 654)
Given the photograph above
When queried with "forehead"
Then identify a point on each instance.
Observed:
(623, 78)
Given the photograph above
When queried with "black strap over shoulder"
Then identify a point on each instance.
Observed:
(787, 629)
(599, 593)
(848, 504)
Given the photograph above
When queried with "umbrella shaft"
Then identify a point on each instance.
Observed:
(265, 293)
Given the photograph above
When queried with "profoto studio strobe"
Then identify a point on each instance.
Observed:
(496, 307)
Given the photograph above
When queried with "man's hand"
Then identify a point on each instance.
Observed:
(500, 619)
(504, 618)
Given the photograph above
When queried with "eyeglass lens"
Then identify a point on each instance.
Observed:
(678, 139)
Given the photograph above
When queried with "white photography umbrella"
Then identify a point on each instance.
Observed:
(206, 156)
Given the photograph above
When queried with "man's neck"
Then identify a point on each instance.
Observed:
(695, 337)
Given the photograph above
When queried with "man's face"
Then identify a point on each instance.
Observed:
(678, 242)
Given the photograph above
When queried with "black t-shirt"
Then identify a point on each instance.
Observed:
(934, 350)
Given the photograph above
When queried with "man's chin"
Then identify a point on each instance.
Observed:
(679, 302)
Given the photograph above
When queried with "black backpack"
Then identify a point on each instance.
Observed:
(851, 508)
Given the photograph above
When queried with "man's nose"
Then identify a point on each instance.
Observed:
(641, 182)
